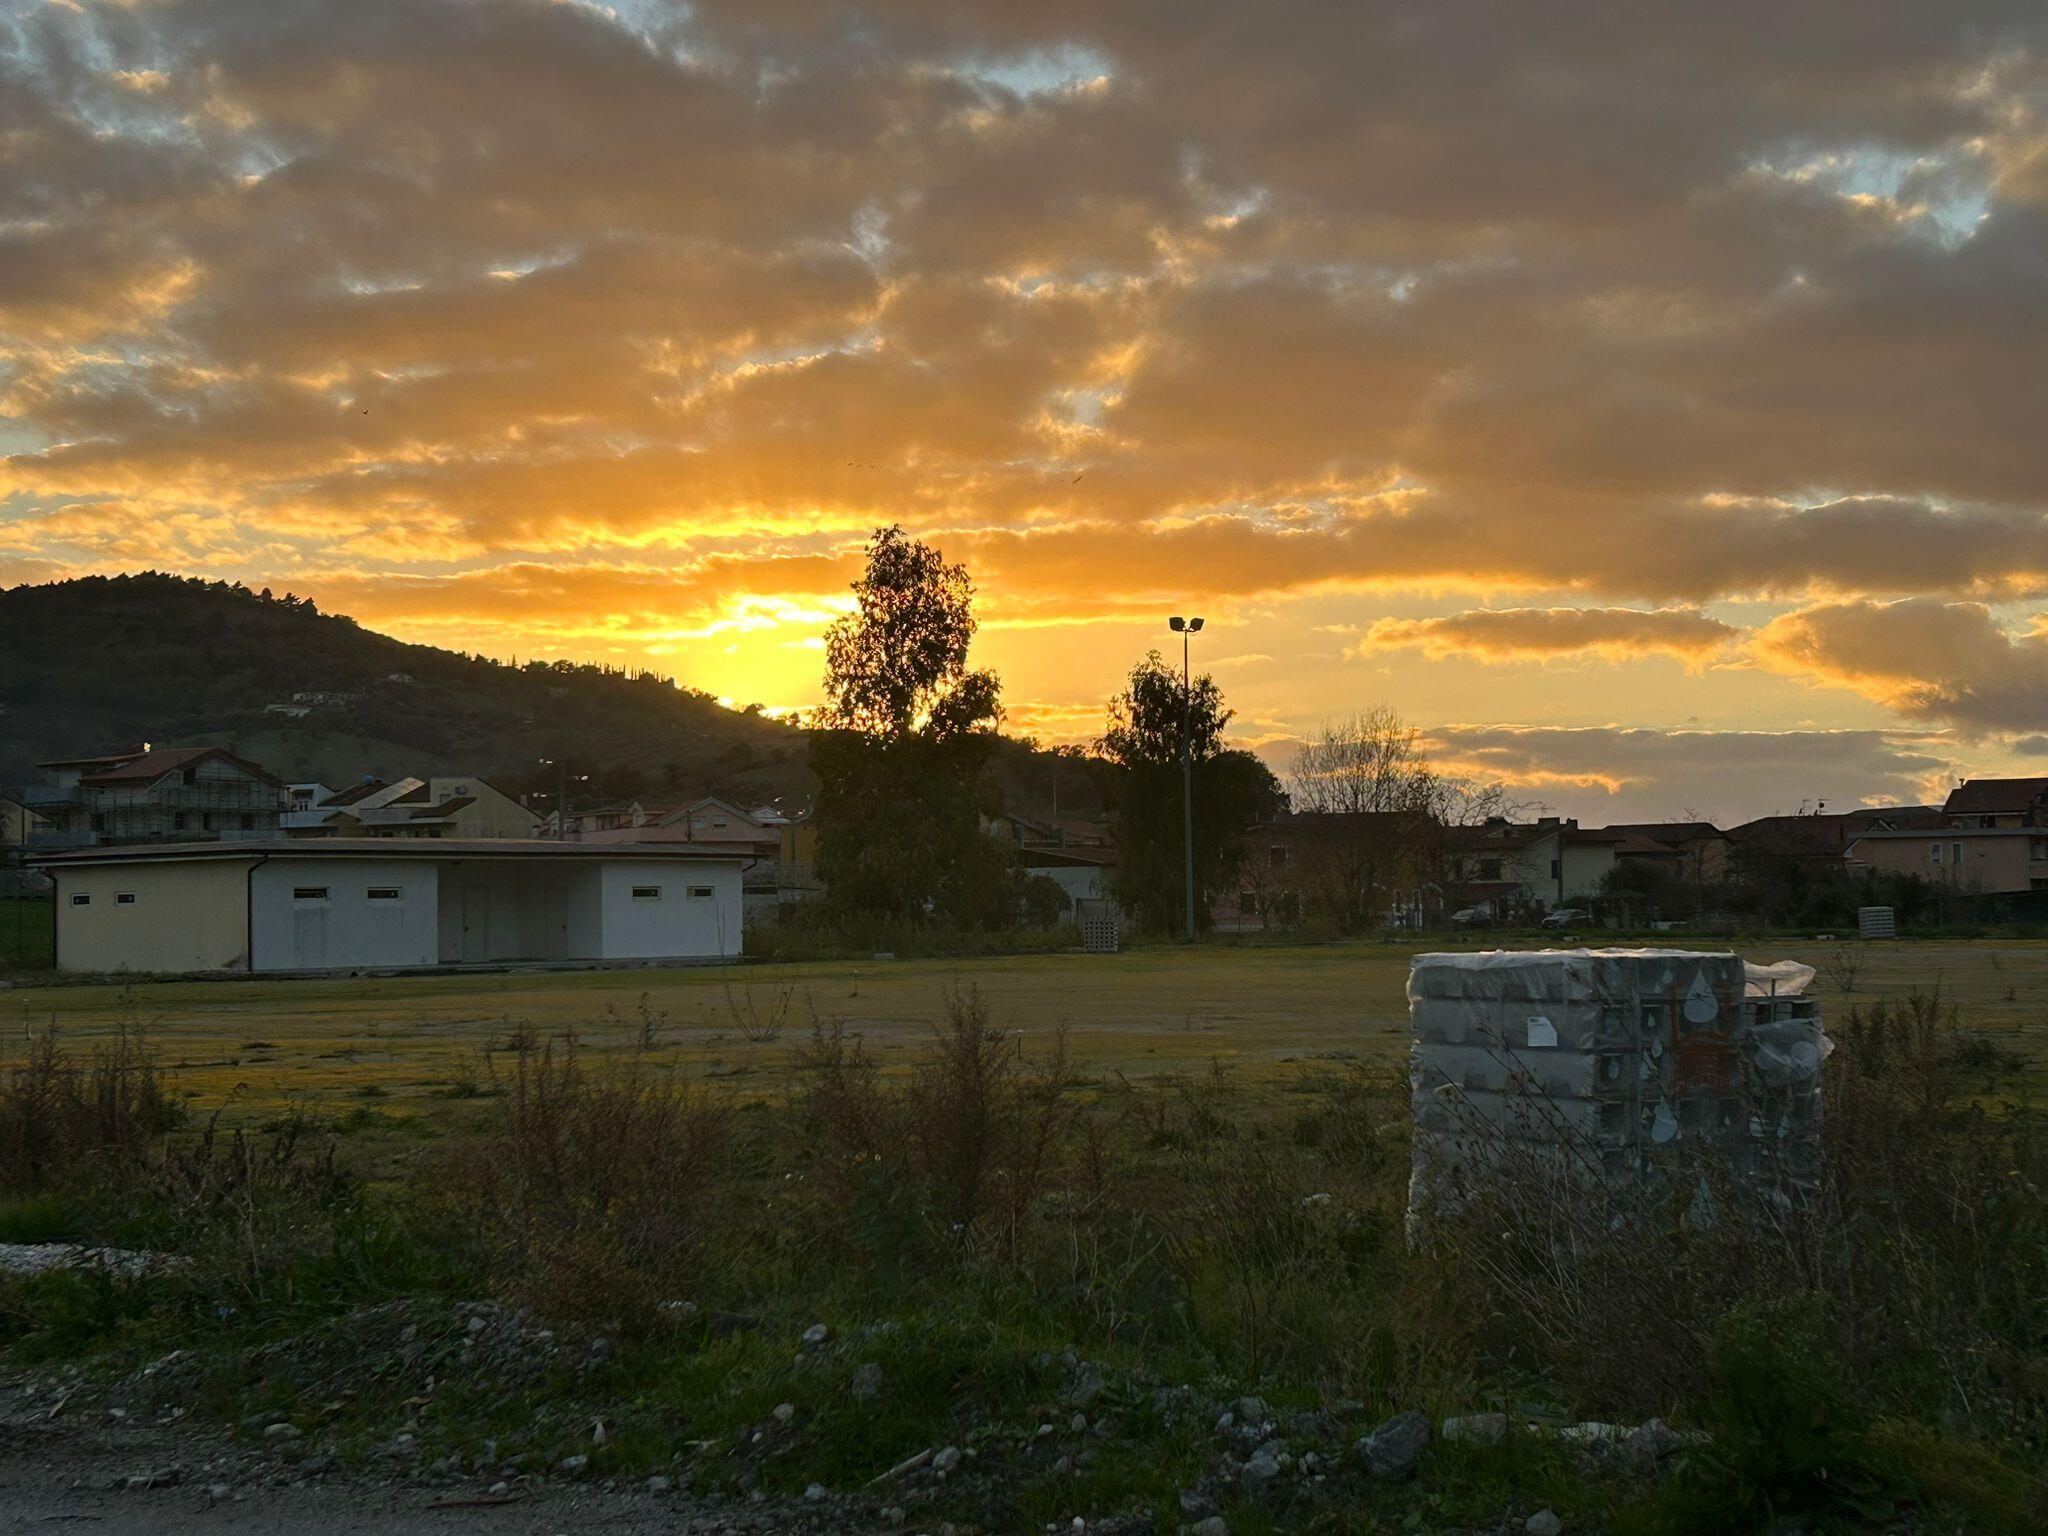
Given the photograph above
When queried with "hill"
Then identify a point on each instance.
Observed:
(99, 662)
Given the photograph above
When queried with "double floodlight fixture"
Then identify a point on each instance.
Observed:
(1179, 625)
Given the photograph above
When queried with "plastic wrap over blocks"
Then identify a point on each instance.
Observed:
(1617, 1065)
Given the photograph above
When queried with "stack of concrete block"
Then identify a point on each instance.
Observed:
(1615, 1064)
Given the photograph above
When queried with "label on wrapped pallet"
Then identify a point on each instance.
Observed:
(1700, 1003)
(1541, 1031)
(1664, 1124)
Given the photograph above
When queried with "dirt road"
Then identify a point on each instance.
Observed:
(127, 1479)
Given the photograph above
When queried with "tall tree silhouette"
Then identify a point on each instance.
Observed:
(900, 745)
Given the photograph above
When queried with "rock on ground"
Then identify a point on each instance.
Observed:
(1396, 1445)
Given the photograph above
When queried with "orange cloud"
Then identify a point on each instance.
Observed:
(1542, 634)
(1920, 656)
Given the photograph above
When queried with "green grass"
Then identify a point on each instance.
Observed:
(1264, 1012)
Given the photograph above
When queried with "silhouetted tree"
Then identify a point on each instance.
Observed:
(1370, 787)
(1140, 781)
(900, 744)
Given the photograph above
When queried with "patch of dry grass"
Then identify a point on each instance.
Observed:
(1263, 1012)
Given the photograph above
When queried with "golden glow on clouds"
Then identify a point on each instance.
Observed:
(557, 329)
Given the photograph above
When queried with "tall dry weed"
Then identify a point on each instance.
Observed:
(65, 1121)
(593, 1195)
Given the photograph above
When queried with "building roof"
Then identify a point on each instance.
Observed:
(1992, 797)
(103, 760)
(1941, 834)
(383, 848)
(1634, 845)
(148, 767)
(1667, 831)
(1832, 829)
(354, 792)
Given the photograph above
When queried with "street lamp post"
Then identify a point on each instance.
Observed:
(1185, 627)
(561, 767)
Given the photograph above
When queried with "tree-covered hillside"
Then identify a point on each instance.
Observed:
(93, 664)
(98, 663)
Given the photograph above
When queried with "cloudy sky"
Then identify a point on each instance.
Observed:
(1649, 401)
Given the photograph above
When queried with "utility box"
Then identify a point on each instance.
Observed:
(1614, 1065)
(1098, 921)
(1877, 923)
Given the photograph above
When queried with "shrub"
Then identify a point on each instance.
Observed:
(592, 1195)
(1788, 1443)
(979, 1135)
(64, 1122)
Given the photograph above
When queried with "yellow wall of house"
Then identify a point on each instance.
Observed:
(15, 821)
(1989, 864)
(186, 916)
(495, 814)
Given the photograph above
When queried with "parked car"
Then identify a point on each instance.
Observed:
(1566, 917)
(1472, 917)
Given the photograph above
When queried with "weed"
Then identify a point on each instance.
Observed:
(592, 1194)
(61, 1120)
(757, 1023)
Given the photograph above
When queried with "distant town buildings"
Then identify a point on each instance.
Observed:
(1990, 838)
(141, 811)
(147, 794)
(451, 806)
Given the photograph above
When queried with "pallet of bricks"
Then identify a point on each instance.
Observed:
(1615, 1065)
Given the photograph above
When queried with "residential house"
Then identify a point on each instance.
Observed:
(710, 820)
(147, 794)
(1701, 848)
(454, 806)
(1998, 803)
(1080, 857)
(1311, 860)
(1514, 868)
(1971, 860)
(17, 821)
(1819, 840)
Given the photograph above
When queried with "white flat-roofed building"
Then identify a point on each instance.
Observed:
(379, 904)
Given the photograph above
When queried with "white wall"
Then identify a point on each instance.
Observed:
(348, 930)
(1585, 865)
(519, 909)
(675, 925)
(1080, 884)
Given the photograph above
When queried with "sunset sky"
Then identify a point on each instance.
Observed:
(1650, 401)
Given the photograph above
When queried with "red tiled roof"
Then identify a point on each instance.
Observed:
(151, 766)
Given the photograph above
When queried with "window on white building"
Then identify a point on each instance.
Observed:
(309, 893)
(647, 893)
(124, 898)
(701, 893)
(81, 898)
(384, 893)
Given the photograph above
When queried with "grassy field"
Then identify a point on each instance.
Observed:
(411, 1045)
